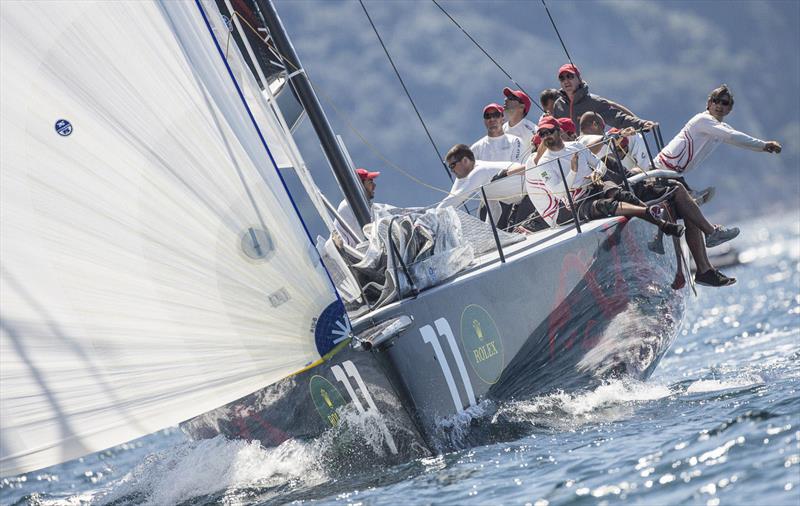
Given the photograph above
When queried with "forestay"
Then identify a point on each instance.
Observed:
(133, 186)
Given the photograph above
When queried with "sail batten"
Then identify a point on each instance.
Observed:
(145, 230)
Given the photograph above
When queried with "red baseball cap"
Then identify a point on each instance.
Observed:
(548, 122)
(567, 125)
(491, 106)
(568, 67)
(525, 99)
(365, 175)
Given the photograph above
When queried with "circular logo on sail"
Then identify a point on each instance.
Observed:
(482, 343)
(331, 328)
(327, 399)
(63, 127)
(257, 243)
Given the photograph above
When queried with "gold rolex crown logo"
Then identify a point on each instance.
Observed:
(326, 397)
(478, 330)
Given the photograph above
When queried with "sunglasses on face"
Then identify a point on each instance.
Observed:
(723, 101)
(490, 115)
(452, 164)
(544, 132)
(565, 76)
(513, 99)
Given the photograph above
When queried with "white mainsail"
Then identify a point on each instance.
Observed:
(132, 176)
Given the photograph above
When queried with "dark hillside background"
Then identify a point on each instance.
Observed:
(659, 58)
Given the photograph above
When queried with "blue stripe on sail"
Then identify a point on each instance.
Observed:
(321, 349)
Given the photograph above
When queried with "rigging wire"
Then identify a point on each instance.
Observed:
(376, 151)
(557, 33)
(519, 86)
(397, 72)
(341, 115)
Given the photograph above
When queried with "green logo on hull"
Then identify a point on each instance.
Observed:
(326, 399)
(482, 343)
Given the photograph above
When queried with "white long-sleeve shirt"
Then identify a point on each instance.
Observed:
(505, 147)
(524, 130)
(346, 212)
(545, 185)
(509, 190)
(698, 139)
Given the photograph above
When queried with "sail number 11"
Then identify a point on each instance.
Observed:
(430, 336)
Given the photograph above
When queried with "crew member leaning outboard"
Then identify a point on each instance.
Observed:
(693, 144)
(704, 132)
(583, 173)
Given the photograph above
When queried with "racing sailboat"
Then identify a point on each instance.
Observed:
(156, 270)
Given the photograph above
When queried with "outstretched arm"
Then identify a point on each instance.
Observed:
(726, 134)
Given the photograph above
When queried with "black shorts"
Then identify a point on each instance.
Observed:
(603, 201)
(651, 190)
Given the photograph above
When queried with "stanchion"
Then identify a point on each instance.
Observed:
(494, 227)
(569, 198)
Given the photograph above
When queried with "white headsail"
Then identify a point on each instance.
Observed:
(153, 266)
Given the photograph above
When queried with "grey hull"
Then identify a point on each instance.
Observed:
(564, 311)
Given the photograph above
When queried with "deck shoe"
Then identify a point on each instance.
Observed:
(703, 196)
(672, 229)
(713, 277)
(720, 235)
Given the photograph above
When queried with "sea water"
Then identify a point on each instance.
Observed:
(718, 423)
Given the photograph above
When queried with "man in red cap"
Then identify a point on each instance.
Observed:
(496, 145)
(582, 175)
(568, 131)
(517, 106)
(575, 100)
(346, 213)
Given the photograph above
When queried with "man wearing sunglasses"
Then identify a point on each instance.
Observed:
(496, 145)
(575, 100)
(704, 132)
(472, 174)
(583, 174)
(517, 106)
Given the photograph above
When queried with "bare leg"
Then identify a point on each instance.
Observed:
(697, 245)
(626, 209)
(680, 279)
(688, 210)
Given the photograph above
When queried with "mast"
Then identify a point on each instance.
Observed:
(348, 182)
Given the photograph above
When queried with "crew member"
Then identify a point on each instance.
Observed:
(575, 100)
(473, 174)
(346, 212)
(582, 178)
(496, 145)
(517, 105)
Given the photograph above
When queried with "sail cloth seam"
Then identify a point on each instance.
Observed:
(266, 147)
(408, 94)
